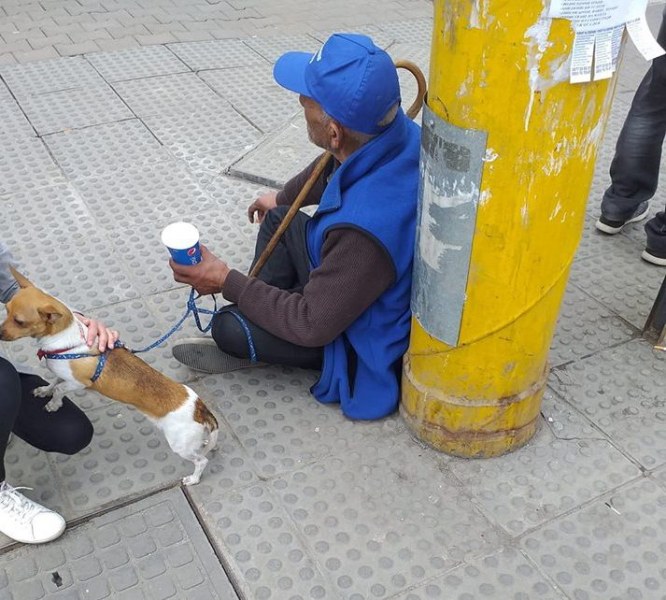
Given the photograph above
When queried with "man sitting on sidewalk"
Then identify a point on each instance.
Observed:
(335, 293)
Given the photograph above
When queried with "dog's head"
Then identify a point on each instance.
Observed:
(33, 313)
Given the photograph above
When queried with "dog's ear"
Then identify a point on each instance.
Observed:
(23, 281)
(49, 313)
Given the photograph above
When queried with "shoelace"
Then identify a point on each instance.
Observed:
(17, 503)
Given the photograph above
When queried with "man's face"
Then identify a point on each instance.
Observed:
(318, 124)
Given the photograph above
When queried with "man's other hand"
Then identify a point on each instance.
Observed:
(258, 209)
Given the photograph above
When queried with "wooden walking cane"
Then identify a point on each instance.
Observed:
(412, 111)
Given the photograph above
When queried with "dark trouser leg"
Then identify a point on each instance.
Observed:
(231, 338)
(10, 401)
(288, 268)
(635, 167)
(66, 430)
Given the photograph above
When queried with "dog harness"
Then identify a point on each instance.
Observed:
(63, 354)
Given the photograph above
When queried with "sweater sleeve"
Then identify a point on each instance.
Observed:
(355, 270)
(291, 189)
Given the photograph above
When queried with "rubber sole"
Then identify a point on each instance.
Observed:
(208, 358)
(652, 259)
(612, 230)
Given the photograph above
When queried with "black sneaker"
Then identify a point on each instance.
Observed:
(612, 227)
(656, 258)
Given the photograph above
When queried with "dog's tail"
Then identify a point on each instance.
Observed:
(207, 419)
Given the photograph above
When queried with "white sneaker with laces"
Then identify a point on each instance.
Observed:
(24, 520)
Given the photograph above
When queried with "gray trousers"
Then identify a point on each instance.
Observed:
(635, 168)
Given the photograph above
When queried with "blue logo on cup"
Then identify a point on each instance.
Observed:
(182, 241)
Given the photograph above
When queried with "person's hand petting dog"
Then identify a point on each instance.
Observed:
(207, 277)
(98, 332)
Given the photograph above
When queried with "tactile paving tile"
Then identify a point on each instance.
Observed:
(266, 108)
(25, 164)
(128, 457)
(208, 164)
(543, 480)
(380, 37)
(168, 94)
(613, 549)
(229, 81)
(261, 545)
(280, 156)
(155, 194)
(621, 391)
(281, 425)
(103, 148)
(413, 31)
(273, 47)
(46, 76)
(28, 467)
(564, 421)
(74, 109)
(217, 128)
(233, 197)
(413, 522)
(507, 574)
(215, 54)
(620, 280)
(584, 326)
(153, 550)
(13, 123)
(136, 63)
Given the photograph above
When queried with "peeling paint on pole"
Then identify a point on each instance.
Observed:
(451, 167)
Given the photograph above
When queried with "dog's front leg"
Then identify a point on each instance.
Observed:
(59, 389)
(44, 391)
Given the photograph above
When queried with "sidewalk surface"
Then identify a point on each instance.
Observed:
(168, 111)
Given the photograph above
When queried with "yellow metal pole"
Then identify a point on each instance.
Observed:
(486, 307)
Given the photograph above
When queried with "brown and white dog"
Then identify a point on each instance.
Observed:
(188, 425)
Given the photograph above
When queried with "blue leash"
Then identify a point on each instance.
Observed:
(191, 308)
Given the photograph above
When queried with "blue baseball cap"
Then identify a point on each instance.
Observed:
(353, 80)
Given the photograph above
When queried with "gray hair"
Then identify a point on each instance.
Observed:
(358, 138)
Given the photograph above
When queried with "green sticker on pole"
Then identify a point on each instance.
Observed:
(451, 167)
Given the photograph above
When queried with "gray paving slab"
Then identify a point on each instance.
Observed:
(271, 48)
(216, 54)
(505, 574)
(74, 109)
(157, 194)
(13, 122)
(105, 148)
(208, 130)
(279, 157)
(26, 165)
(56, 75)
(166, 94)
(621, 391)
(548, 478)
(611, 549)
(585, 326)
(136, 63)
(153, 550)
(620, 281)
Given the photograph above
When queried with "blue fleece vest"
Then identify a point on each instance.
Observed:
(374, 190)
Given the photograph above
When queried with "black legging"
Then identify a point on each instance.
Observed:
(67, 430)
(288, 268)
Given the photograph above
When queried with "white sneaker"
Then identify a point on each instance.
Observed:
(26, 521)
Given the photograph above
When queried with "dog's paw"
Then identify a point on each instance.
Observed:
(43, 391)
(53, 405)
(191, 480)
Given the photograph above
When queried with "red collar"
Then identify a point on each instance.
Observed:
(42, 353)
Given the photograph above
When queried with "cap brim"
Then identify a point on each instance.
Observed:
(289, 71)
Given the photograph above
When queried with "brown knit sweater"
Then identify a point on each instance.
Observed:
(355, 270)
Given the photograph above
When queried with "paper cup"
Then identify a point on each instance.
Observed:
(182, 241)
